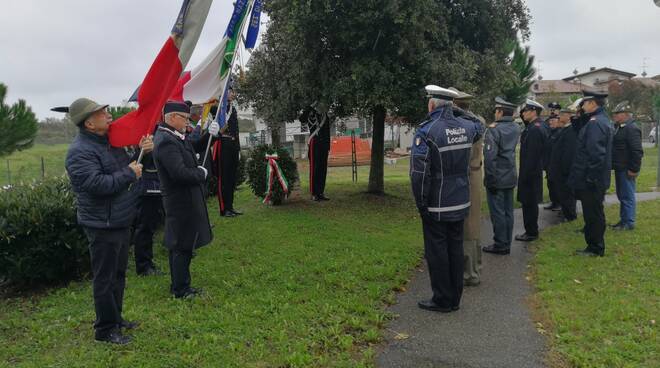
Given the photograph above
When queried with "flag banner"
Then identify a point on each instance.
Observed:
(163, 75)
(253, 28)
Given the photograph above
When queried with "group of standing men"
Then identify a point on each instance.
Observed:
(576, 146)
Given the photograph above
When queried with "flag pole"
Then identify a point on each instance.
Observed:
(246, 20)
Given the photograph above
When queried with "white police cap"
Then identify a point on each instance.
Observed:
(438, 92)
(531, 104)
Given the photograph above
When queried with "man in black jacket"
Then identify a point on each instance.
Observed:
(533, 143)
(500, 177)
(551, 132)
(227, 152)
(182, 183)
(627, 156)
(591, 171)
(561, 161)
(100, 177)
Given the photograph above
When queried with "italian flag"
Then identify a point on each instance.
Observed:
(207, 81)
(163, 76)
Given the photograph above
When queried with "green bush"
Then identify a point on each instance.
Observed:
(241, 176)
(40, 241)
(257, 172)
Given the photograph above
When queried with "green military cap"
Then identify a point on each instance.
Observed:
(83, 108)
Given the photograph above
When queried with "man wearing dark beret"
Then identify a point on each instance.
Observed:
(183, 183)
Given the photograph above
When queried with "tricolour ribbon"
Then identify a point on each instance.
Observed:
(275, 172)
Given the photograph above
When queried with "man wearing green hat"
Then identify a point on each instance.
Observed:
(100, 177)
(627, 156)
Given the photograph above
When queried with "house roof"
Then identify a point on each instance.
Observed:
(555, 86)
(610, 70)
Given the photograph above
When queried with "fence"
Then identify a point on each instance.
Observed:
(34, 168)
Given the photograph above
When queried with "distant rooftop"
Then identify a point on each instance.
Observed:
(594, 70)
(555, 86)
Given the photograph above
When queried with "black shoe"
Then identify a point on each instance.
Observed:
(431, 306)
(496, 250)
(471, 282)
(552, 207)
(622, 227)
(235, 212)
(189, 293)
(588, 253)
(114, 337)
(151, 271)
(322, 197)
(526, 238)
(228, 213)
(618, 224)
(129, 325)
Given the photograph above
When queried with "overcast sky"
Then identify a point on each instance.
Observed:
(56, 51)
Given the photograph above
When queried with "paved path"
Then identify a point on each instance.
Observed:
(492, 329)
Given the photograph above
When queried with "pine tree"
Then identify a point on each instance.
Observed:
(522, 65)
(18, 125)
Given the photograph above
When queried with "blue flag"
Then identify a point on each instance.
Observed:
(253, 28)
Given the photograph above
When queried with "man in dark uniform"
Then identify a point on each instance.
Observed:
(627, 153)
(100, 177)
(500, 177)
(149, 217)
(551, 133)
(533, 142)
(590, 173)
(317, 119)
(226, 152)
(561, 161)
(182, 182)
(439, 171)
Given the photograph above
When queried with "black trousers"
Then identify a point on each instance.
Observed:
(443, 250)
(228, 161)
(179, 271)
(531, 218)
(318, 165)
(594, 219)
(567, 201)
(108, 250)
(149, 219)
(552, 190)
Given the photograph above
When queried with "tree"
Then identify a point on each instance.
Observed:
(522, 65)
(372, 58)
(18, 125)
(639, 95)
(119, 111)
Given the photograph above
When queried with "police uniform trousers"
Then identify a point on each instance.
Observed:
(228, 161)
(443, 250)
(108, 250)
(552, 190)
(318, 165)
(500, 206)
(567, 201)
(149, 219)
(531, 218)
(472, 225)
(594, 219)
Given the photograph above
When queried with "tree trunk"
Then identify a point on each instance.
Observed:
(275, 135)
(376, 185)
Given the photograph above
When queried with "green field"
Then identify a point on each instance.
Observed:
(303, 284)
(601, 312)
(27, 165)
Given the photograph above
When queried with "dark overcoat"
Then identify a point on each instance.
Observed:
(533, 143)
(182, 185)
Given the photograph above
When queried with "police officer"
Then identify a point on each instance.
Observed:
(439, 174)
(228, 149)
(317, 120)
(183, 184)
(590, 173)
(149, 216)
(551, 133)
(561, 161)
(627, 153)
(533, 143)
(500, 176)
(100, 177)
(472, 226)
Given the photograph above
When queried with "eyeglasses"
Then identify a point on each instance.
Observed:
(182, 116)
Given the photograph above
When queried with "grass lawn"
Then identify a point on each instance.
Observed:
(647, 176)
(303, 284)
(601, 312)
(26, 165)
